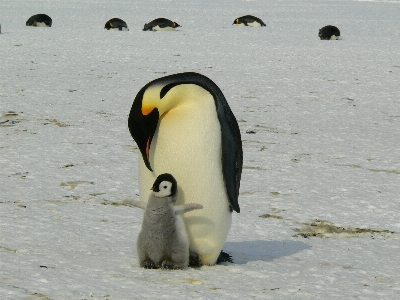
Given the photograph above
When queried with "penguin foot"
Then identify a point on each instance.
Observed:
(194, 260)
(148, 264)
(224, 257)
(167, 265)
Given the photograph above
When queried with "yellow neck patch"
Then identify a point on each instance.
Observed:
(146, 110)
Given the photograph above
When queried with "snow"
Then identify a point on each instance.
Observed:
(320, 129)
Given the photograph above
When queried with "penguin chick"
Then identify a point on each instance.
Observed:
(249, 20)
(163, 241)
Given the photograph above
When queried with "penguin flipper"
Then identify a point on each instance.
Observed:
(232, 152)
(135, 203)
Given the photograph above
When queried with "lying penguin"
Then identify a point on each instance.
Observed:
(160, 24)
(116, 24)
(329, 32)
(163, 241)
(39, 20)
(249, 20)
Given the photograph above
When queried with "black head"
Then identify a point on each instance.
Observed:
(142, 127)
(165, 186)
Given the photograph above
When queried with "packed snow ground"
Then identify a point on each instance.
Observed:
(320, 123)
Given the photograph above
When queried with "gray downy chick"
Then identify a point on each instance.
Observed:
(163, 241)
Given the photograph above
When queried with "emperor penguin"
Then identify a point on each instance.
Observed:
(249, 20)
(329, 32)
(183, 124)
(163, 241)
(39, 20)
(116, 24)
(160, 24)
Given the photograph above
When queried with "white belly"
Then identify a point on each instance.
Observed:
(117, 29)
(187, 144)
(254, 24)
(41, 24)
(158, 28)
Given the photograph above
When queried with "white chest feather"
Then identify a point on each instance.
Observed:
(41, 24)
(254, 24)
(158, 28)
(117, 29)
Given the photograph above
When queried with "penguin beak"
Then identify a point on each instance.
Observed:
(142, 126)
(177, 25)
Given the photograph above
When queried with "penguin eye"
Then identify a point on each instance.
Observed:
(164, 186)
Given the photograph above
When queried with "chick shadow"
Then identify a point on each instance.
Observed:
(249, 251)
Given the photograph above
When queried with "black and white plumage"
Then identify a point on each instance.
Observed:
(160, 24)
(249, 20)
(163, 241)
(39, 20)
(183, 125)
(329, 32)
(116, 24)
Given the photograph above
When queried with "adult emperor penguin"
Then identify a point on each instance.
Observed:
(39, 20)
(160, 24)
(183, 125)
(116, 24)
(249, 20)
(329, 32)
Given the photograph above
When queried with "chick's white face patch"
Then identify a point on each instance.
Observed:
(164, 189)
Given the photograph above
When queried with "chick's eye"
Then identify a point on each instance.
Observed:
(164, 186)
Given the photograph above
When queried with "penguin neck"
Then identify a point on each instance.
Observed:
(158, 203)
(186, 99)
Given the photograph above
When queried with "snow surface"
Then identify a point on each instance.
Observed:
(320, 129)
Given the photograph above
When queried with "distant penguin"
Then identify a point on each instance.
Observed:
(249, 20)
(160, 24)
(163, 241)
(116, 24)
(183, 124)
(40, 20)
(329, 32)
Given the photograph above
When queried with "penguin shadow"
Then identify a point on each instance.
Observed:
(248, 251)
